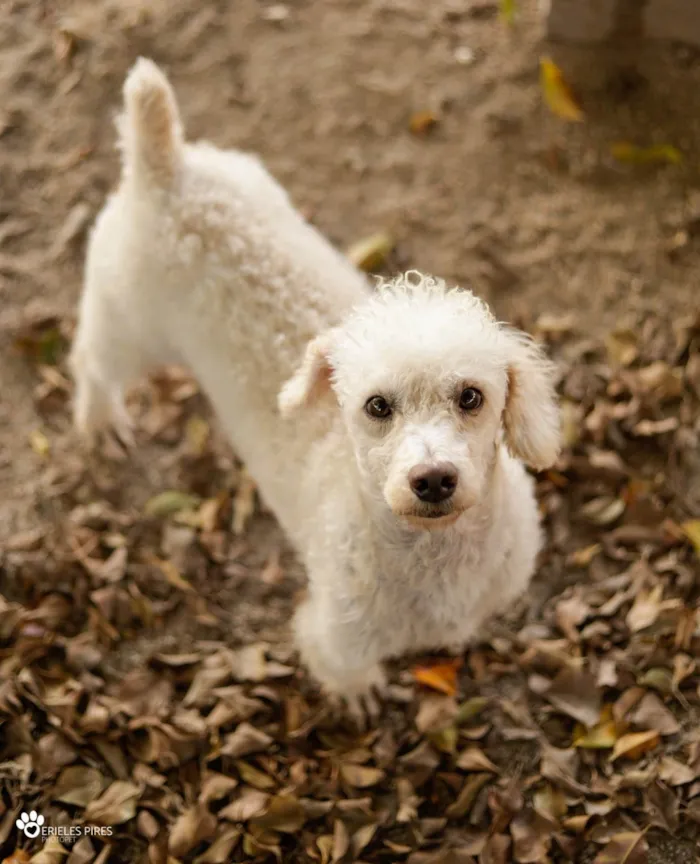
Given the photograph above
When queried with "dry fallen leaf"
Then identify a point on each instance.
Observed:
(466, 798)
(532, 837)
(574, 692)
(221, 849)
(249, 804)
(116, 805)
(283, 813)
(658, 679)
(361, 776)
(441, 677)
(52, 852)
(645, 609)
(675, 773)
(635, 744)
(473, 759)
(244, 740)
(649, 428)
(550, 802)
(190, 828)
(557, 93)
(651, 713)
(253, 776)
(371, 253)
(78, 785)
(655, 154)
(603, 511)
(629, 847)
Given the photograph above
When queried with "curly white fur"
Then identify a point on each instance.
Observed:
(199, 258)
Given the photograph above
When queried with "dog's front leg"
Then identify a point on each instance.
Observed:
(343, 653)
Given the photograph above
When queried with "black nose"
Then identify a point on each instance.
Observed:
(433, 483)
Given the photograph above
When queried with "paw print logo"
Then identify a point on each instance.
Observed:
(30, 823)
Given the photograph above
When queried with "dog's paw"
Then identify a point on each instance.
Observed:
(90, 411)
(363, 705)
(95, 410)
(122, 423)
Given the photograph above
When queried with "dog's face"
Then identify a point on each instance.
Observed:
(428, 384)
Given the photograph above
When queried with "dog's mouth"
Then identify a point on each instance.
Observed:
(433, 518)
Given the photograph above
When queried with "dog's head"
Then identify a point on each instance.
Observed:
(429, 384)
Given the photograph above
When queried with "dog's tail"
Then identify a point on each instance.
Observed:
(151, 131)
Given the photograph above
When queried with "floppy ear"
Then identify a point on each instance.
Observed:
(311, 380)
(531, 414)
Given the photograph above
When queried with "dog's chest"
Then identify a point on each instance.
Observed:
(431, 594)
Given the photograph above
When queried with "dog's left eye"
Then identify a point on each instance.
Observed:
(470, 399)
(378, 407)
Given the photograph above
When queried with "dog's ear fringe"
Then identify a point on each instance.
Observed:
(531, 420)
(311, 380)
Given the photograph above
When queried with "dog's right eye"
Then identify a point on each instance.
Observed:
(378, 407)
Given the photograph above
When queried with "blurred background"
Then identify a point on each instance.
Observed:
(559, 180)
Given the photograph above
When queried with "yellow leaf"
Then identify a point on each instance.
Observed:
(658, 153)
(622, 346)
(169, 502)
(557, 93)
(508, 12)
(600, 737)
(422, 122)
(171, 573)
(371, 253)
(441, 677)
(635, 744)
(445, 739)
(583, 557)
(197, 434)
(691, 529)
(40, 443)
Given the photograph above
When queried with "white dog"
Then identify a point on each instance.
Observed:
(391, 455)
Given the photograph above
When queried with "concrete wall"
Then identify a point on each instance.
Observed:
(598, 20)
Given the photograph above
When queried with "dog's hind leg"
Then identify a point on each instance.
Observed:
(99, 399)
(107, 357)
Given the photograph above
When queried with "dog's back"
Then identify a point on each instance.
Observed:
(199, 258)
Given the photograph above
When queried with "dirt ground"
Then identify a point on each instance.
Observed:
(151, 625)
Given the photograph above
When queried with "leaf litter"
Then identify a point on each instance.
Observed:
(568, 733)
